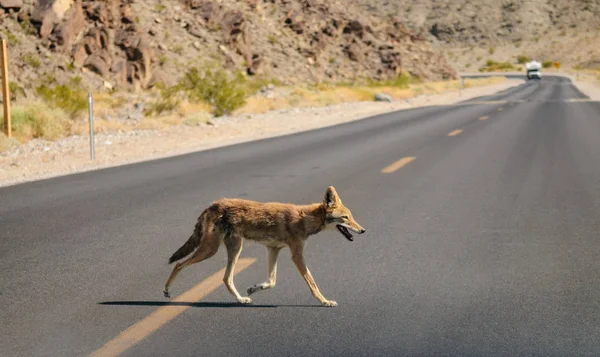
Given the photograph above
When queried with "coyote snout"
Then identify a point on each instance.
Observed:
(275, 225)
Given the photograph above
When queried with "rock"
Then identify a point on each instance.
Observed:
(69, 30)
(354, 27)
(157, 20)
(295, 21)
(127, 15)
(11, 4)
(194, 4)
(99, 63)
(44, 19)
(353, 52)
(380, 97)
(196, 45)
(233, 25)
(196, 30)
(79, 56)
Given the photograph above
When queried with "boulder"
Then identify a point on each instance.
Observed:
(353, 52)
(98, 63)
(354, 27)
(380, 97)
(233, 25)
(67, 31)
(119, 71)
(79, 55)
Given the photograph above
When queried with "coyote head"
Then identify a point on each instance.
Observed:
(339, 216)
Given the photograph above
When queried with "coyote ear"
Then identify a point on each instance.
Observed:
(331, 197)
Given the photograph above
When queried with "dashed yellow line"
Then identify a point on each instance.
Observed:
(455, 132)
(161, 316)
(398, 165)
(485, 117)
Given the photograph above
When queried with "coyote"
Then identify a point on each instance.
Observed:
(273, 224)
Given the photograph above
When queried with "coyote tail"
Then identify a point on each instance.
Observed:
(192, 243)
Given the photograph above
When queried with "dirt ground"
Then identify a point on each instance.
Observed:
(43, 159)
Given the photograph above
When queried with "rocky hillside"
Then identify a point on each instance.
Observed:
(136, 44)
(559, 30)
(485, 22)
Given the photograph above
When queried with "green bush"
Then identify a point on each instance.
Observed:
(216, 89)
(168, 101)
(36, 120)
(69, 97)
(547, 64)
(11, 39)
(522, 59)
(31, 60)
(400, 81)
(493, 66)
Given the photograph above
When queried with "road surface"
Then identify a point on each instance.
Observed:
(487, 243)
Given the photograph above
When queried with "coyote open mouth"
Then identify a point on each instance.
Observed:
(345, 232)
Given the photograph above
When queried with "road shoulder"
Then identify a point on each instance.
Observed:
(42, 159)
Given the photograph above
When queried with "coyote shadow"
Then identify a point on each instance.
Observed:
(199, 304)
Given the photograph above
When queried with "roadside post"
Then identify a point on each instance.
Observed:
(5, 87)
(90, 107)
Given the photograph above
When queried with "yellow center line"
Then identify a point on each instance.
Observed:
(485, 117)
(161, 316)
(397, 165)
(455, 132)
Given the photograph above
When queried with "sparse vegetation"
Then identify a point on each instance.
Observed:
(401, 81)
(31, 60)
(491, 50)
(547, 64)
(37, 120)
(213, 87)
(162, 59)
(494, 66)
(15, 90)
(11, 39)
(69, 97)
(522, 59)
(272, 39)
(169, 100)
(216, 89)
(178, 49)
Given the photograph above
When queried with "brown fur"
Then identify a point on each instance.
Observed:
(273, 224)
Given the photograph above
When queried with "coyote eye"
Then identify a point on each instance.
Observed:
(345, 217)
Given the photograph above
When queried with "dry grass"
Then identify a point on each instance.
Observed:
(324, 95)
(37, 120)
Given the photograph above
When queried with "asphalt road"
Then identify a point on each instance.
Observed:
(487, 244)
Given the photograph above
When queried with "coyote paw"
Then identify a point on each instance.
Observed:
(329, 303)
(166, 293)
(244, 300)
(251, 290)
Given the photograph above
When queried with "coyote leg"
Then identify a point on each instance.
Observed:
(298, 259)
(273, 253)
(233, 243)
(207, 249)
